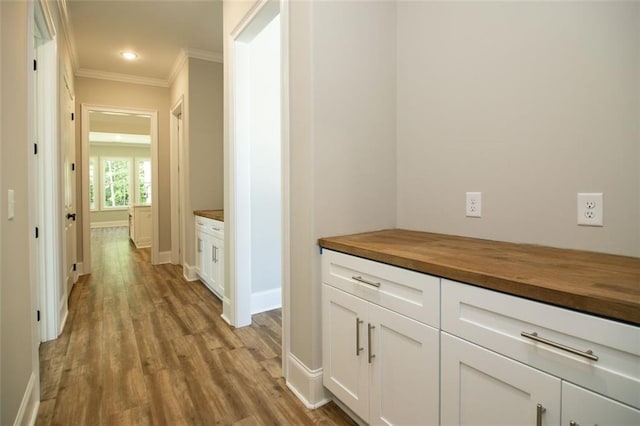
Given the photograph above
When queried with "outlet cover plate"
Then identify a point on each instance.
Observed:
(590, 209)
(474, 204)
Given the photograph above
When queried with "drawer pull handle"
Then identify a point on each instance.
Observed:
(358, 348)
(371, 354)
(534, 336)
(539, 410)
(362, 280)
(572, 423)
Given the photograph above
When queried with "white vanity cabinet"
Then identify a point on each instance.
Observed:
(209, 254)
(509, 360)
(380, 340)
(140, 225)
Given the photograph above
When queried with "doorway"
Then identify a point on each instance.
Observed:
(119, 175)
(257, 206)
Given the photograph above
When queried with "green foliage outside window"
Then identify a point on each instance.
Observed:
(116, 183)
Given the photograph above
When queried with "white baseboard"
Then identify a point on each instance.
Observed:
(111, 224)
(28, 411)
(189, 272)
(226, 308)
(80, 268)
(306, 384)
(266, 300)
(164, 257)
(64, 313)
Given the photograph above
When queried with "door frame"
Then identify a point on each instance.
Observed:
(230, 310)
(178, 189)
(86, 213)
(53, 310)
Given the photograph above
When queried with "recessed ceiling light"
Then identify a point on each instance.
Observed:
(129, 55)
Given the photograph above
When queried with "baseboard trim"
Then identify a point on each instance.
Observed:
(306, 384)
(164, 257)
(110, 224)
(29, 405)
(266, 300)
(226, 308)
(189, 272)
(64, 313)
(80, 268)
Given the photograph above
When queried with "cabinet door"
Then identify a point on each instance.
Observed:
(581, 407)
(345, 367)
(404, 370)
(216, 276)
(199, 250)
(480, 387)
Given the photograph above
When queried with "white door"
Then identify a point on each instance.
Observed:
(69, 176)
(345, 348)
(404, 371)
(480, 387)
(581, 407)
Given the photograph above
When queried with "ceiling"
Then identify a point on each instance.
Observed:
(157, 30)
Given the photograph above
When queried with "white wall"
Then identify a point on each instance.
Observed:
(265, 136)
(342, 130)
(16, 312)
(529, 103)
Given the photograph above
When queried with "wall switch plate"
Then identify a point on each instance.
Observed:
(590, 209)
(474, 204)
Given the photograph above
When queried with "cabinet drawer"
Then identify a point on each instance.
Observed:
(210, 226)
(497, 321)
(409, 293)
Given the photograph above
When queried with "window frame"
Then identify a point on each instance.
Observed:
(136, 179)
(103, 160)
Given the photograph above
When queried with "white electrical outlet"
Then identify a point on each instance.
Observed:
(474, 204)
(590, 209)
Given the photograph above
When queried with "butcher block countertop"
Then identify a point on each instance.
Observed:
(595, 283)
(211, 214)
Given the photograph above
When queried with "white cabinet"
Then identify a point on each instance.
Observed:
(481, 387)
(581, 407)
(503, 355)
(209, 254)
(382, 364)
(140, 225)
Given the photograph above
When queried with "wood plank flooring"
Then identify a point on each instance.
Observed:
(143, 346)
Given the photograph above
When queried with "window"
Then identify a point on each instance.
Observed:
(116, 182)
(93, 161)
(143, 181)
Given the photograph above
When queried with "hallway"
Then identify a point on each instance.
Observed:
(143, 346)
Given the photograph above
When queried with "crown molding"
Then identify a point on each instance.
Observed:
(205, 55)
(185, 54)
(67, 29)
(123, 78)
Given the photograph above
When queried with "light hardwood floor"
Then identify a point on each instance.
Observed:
(143, 346)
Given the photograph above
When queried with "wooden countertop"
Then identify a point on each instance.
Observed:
(595, 283)
(211, 214)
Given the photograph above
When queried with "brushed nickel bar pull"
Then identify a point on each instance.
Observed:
(371, 355)
(362, 280)
(199, 245)
(213, 254)
(572, 423)
(358, 348)
(539, 410)
(534, 336)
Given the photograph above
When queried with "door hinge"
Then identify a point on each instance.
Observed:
(38, 315)
(74, 266)
(35, 149)
(73, 116)
(36, 232)
(35, 65)
(73, 166)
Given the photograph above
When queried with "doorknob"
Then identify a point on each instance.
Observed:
(71, 216)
